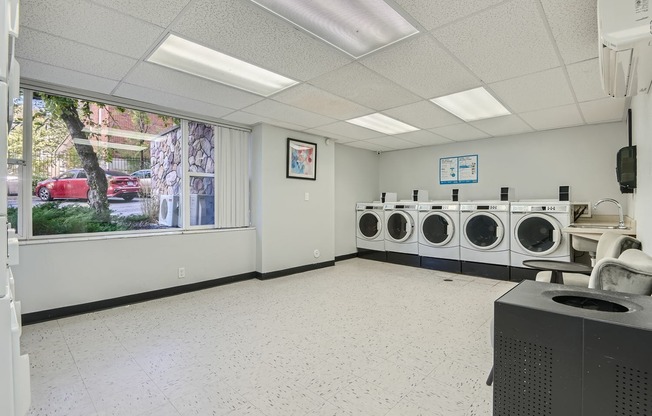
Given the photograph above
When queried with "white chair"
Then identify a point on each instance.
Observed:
(610, 245)
(631, 272)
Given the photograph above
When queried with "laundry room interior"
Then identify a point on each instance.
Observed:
(325, 241)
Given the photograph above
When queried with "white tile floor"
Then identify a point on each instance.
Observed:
(360, 338)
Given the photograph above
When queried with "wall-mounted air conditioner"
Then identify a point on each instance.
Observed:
(625, 32)
(202, 209)
(168, 213)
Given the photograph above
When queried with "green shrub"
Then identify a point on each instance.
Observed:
(52, 218)
(12, 217)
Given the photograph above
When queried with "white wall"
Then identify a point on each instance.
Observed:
(289, 227)
(533, 164)
(642, 137)
(54, 275)
(356, 180)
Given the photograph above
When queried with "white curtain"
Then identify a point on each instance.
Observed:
(232, 175)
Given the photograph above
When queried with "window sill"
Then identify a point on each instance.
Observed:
(135, 234)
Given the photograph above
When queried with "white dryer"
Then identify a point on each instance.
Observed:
(370, 226)
(439, 235)
(401, 232)
(484, 242)
(536, 234)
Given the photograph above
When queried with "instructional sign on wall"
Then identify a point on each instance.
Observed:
(458, 169)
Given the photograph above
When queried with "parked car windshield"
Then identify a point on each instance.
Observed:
(115, 173)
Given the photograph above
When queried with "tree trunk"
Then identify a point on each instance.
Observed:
(96, 177)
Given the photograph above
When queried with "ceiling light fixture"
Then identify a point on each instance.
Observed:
(129, 134)
(189, 57)
(355, 27)
(471, 105)
(107, 145)
(382, 123)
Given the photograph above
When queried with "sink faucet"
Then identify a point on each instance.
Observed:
(621, 220)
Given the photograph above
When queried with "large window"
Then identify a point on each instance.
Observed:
(96, 167)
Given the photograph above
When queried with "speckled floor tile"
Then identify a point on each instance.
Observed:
(362, 338)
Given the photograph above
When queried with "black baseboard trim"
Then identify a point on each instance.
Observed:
(294, 270)
(50, 314)
(372, 254)
(491, 271)
(444, 265)
(518, 274)
(403, 259)
(346, 257)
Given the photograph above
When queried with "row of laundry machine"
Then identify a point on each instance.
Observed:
(481, 238)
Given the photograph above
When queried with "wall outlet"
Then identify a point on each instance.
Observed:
(583, 207)
(316, 253)
(182, 272)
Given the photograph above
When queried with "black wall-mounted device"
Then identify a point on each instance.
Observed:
(626, 162)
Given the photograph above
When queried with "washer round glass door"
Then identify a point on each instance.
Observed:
(369, 225)
(399, 226)
(483, 230)
(437, 229)
(538, 234)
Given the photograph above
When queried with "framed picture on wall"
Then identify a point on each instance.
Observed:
(301, 160)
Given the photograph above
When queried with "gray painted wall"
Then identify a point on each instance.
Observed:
(533, 164)
(65, 273)
(356, 180)
(289, 227)
(642, 137)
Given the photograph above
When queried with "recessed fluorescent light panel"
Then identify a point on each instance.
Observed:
(471, 105)
(184, 55)
(382, 124)
(355, 27)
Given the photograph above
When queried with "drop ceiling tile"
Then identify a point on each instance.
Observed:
(423, 114)
(344, 129)
(535, 91)
(242, 117)
(336, 137)
(65, 77)
(460, 132)
(114, 32)
(321, 102)
(502, 42)
(434, 13)
(502, 126)
(585, 79)
(423, 138)
(246, 31)
(553, 118)
(422, 66)
(172, 101)
(283, 112)
(363, 86)
(392, 142)
(362, 144)
(159, 12)
(574, 27)
(603, 111)
(175, 82)
(40, 47)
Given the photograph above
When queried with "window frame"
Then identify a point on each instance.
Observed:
(24, 226)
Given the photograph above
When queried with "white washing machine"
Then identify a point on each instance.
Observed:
(370, 226)
(485, 238)
(439, 235)
(536, 231)
(401, 227)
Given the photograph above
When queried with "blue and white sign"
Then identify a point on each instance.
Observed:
(458, 169)
(448, 171)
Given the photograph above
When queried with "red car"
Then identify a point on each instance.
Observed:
(74, 185)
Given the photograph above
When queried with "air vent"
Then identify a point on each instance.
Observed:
(523, 379)
(633, 396)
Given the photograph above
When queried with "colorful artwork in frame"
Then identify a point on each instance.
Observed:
(301, 160)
